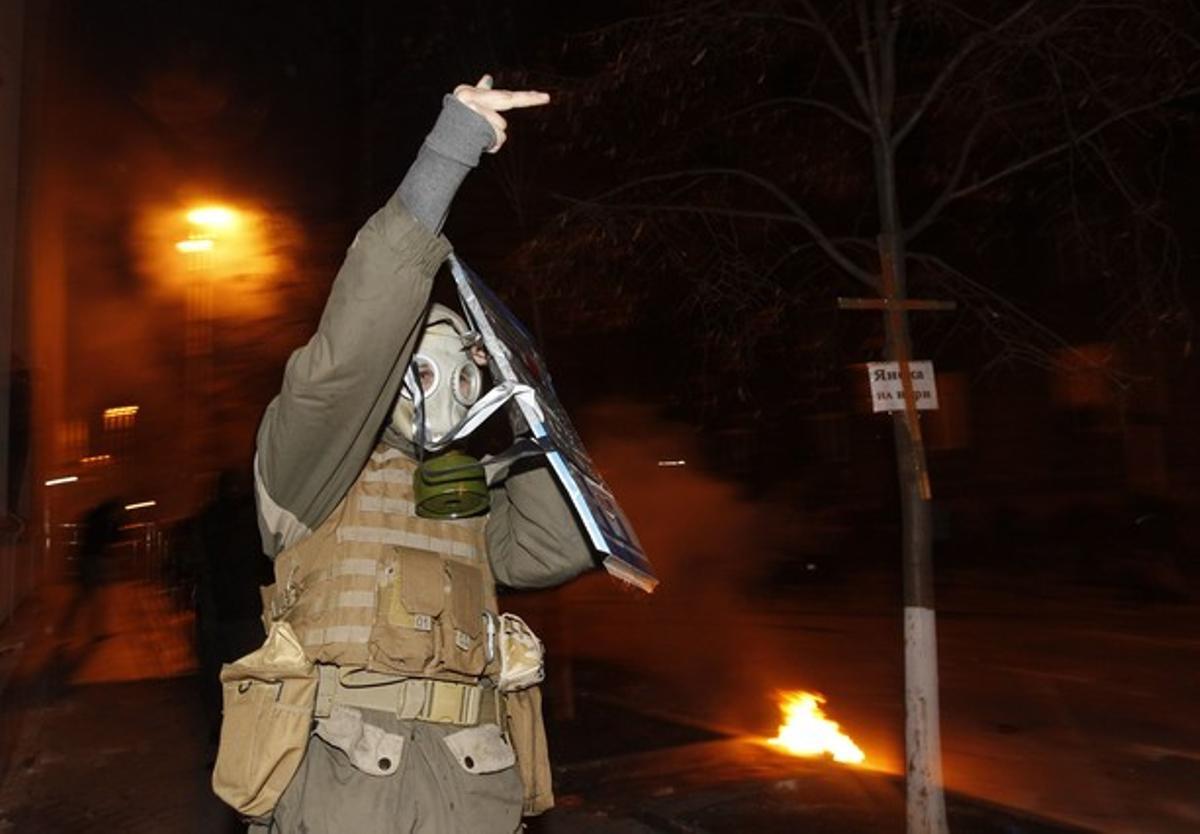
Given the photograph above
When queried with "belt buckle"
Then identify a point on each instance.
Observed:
(444, 703)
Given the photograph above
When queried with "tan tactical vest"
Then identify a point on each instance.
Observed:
(375, 586)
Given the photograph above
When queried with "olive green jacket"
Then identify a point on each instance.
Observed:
(337, 395)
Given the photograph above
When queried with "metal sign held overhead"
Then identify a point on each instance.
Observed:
(516, 359)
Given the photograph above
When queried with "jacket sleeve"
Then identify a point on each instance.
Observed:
(534, 539)
(339, 388)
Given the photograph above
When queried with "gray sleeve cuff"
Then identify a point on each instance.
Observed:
(460, 133)
(450, 151)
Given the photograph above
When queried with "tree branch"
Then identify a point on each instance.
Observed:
(815, 23)
(887, 23)
(960, 167)
(1034, 329)
(671, 15)
(951, 67)
(868, 56)
(804, 101)
(1054, 150)
(796, 215)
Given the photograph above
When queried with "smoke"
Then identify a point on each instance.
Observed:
(717, 639)
(692, 636)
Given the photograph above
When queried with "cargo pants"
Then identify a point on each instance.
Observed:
(403, 776)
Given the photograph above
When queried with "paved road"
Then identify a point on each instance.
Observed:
(1064, 701)
(106, 735)
(103, 733)
(1080, 713)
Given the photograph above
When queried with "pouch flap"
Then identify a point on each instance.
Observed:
(368, 747)
(481, 749)
(280, 657)
(466, 589)
(522, 656)
(422, 582)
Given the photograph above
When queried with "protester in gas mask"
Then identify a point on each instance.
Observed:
(391, 694)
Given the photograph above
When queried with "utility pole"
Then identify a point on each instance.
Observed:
(922, 735)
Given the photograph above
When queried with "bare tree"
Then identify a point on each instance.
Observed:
(889, 140)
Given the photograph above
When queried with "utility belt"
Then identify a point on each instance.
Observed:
(272, 695)
(414, 699)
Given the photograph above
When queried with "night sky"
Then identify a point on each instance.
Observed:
(316, 109)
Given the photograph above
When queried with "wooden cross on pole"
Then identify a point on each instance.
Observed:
(895, 309)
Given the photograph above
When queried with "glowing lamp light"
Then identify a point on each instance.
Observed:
(213, 217)
(806, 731)
(121, 411)
(69, 479)
(141, 505)
(195, 244)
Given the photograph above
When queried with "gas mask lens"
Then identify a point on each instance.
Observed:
(467, 383)
(427, 374)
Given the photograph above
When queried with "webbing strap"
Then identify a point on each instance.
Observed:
(420, 699)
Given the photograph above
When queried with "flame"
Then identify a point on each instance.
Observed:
(806, 731)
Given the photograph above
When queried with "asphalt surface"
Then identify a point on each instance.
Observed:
(1061, 695)
(107, 734)
(1076, 708)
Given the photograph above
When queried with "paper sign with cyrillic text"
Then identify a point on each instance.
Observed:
(887, 391)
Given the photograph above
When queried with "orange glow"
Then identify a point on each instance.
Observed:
(212, 217)
(195, 244)
(243, 254)
(806, 731)
(121, 411)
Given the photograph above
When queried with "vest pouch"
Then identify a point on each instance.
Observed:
(269, 696)
(461, 636)
(522, 655)
(527, 735)
(411, 598)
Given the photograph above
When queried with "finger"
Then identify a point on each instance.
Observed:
(498, 122)
(501, 138)
(485, 82)
(511, 99)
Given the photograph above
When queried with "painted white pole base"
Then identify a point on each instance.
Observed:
(922, 733)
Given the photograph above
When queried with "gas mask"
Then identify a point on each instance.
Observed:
(442, 382)
(441, 402)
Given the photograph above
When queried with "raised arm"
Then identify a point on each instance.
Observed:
(339, 388)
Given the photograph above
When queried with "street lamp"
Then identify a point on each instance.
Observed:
(209, 227)
(213, 217)
(194, 244)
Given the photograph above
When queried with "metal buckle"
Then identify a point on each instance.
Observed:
(489, 646)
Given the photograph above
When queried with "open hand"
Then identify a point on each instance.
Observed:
(489, 103)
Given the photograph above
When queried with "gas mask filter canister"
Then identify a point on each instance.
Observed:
(451, 484)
